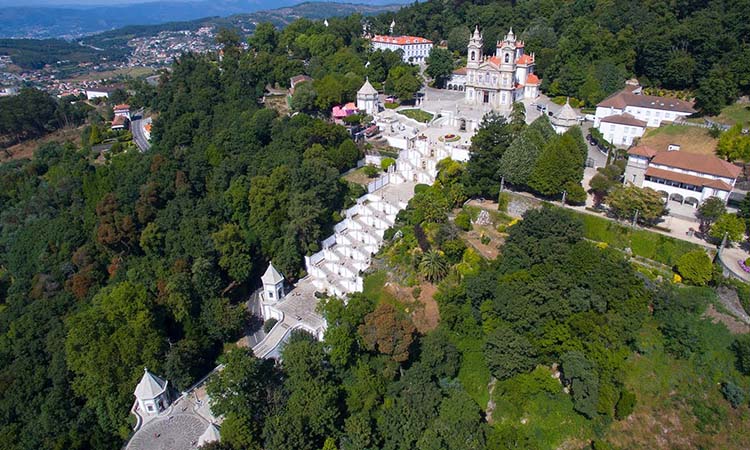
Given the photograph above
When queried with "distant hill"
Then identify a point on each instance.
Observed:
(70, 22)
(112, 45)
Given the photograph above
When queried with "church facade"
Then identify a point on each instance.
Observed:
(500, 80)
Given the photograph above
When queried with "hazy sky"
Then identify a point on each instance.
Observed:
(68, 2)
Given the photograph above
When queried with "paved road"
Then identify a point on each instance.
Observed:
(139, 134)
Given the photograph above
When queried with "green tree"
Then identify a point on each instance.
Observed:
(439, 65)
(304, 97)
(695, 267)
(730, 225)
(559, 164)
(403, 81)
(264, 38)
(107, 346)
(709, 211)
(241, 392)
(625, 201)
(741, 349)
(733, 144)
(487, 148)
(457, 426)
(433, 266)
(580, 374)
(508, 353)
(236, 257)
(521, 156)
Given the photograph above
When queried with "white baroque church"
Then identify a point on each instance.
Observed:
(500, 80)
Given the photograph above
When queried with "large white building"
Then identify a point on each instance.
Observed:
(626, 114)
(500, 80)
(679, 176)
(415, 49)
(621, 129)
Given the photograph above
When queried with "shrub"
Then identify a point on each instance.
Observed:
(391, 105)
(502, 201)
(625, 405)
(421, 188)
(385, 163)
(733, 393)
(269, 324)
(485, 239)
(371, 171)
(741, 349)
(416, 292)
(576, 195)
(463, 221)
(695, 267)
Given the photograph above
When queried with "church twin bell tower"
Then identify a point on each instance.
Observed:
(498, 81)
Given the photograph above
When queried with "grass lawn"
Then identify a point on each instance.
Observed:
(690, 139)
(373, 287)
(737, 113)
(358, 177)
(417, 114)
(658, 247)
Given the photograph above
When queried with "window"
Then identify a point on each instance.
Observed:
(150, 408)
(473, 55)
(270, 294)
(612, 127)
(507, 57)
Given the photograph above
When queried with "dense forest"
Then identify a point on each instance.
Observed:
(587, 48)
(146, 260)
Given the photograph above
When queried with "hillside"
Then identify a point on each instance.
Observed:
(113, 45)
(74, 21)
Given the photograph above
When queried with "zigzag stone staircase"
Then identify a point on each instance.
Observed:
(337, 268)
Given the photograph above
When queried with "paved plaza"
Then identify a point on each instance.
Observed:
(177, 431)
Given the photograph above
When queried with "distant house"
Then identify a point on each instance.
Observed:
(122, 110)
(623, 115)
(120, 123)
(294, 81)
(98, 92)
(339, 112)
(679, 176)
(7, 91)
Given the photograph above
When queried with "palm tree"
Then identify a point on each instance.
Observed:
(433, 265)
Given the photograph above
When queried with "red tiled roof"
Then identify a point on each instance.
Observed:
(699, 163)
(122, 107)
(624, 98)
(643, 150)
(400, 40)
(687, 179)
(300, 78)
(625, 119)
(532, 79)
(525, 59)
(460, 71)
(494, 60)
(119, 120)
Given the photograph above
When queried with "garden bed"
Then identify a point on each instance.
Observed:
(417, 114)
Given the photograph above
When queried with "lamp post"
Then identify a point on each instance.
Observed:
(565, 193)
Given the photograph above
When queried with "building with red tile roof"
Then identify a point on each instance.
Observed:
(501, 79)
(687, 178)
(415, 49)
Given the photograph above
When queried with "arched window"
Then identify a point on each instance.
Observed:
(507, 57)
(473, 55)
